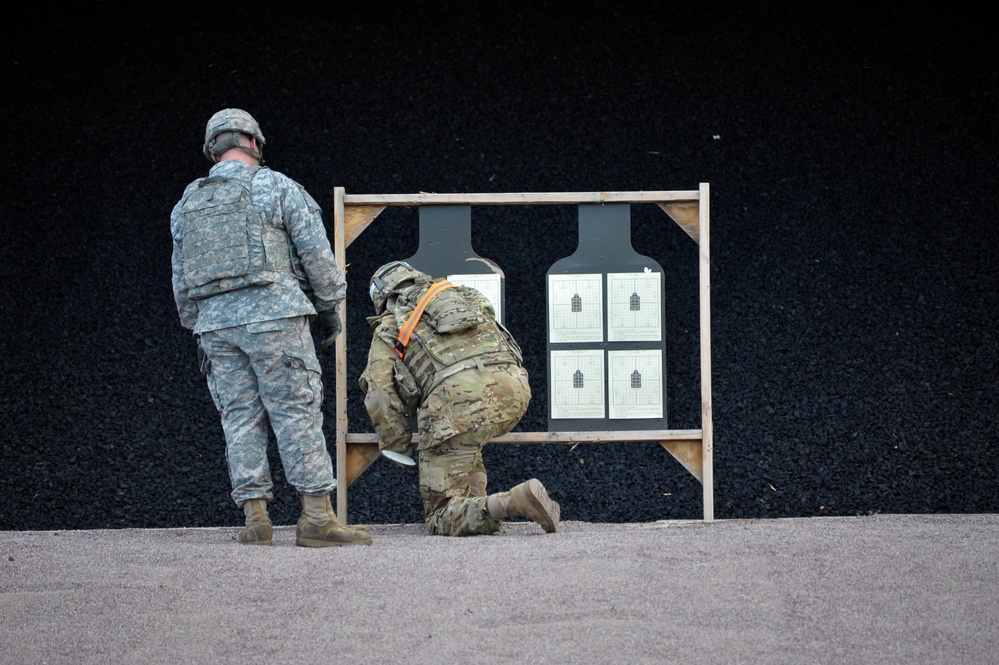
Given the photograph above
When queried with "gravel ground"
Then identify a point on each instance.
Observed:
(851, 155)
(878, 590)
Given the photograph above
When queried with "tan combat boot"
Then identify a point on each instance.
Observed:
(319, 527)
(528, 500)
(477, 483)
(258, 530)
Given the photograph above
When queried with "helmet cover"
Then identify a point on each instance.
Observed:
(388, 278)
(230, 120)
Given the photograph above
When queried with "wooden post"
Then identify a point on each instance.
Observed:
(707, 429)
(340, 254)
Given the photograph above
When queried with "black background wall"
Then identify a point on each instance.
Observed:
(851, 155)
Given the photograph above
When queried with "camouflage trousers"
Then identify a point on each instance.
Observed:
(445, 466)
(266, 376)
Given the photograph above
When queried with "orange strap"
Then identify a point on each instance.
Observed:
(407, 329)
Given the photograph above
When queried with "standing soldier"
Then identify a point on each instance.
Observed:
(252, 266)
(437, 352)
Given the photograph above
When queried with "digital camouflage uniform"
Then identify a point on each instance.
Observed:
(260, 358)
(459, 405)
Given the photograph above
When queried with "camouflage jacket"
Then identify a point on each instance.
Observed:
(283, 204)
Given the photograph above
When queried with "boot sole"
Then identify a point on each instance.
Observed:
(310, 541)
(548, 512)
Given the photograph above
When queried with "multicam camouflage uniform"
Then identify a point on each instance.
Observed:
(260, 358)
(469, 388)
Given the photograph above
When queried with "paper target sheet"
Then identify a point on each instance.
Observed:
(636, 383)
(634, 308)
(488, 284)
(577, 384)
(575, 308)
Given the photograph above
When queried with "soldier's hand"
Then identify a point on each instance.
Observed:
(329, 327)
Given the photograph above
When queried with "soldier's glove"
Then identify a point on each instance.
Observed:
(329, 327)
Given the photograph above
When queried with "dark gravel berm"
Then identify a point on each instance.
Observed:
(851, 155)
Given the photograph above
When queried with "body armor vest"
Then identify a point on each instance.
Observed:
(227, 243)
(434, 355)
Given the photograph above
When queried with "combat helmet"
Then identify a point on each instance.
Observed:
(388, 278)
(231, 120)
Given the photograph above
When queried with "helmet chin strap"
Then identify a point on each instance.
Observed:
(226, 142)
(256, 154)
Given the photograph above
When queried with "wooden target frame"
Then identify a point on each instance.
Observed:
(690, 209)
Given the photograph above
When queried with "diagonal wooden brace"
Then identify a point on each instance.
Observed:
(687, 452)
(359, 457)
